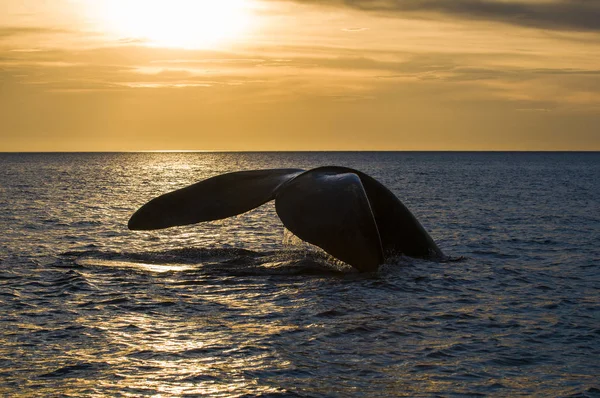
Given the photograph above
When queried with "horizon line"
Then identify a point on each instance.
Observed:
(315, 151)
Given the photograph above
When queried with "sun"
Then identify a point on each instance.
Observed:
(176, 23)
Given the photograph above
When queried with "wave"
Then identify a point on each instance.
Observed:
(228, 261)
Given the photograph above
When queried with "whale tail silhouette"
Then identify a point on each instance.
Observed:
(215, 198)
(347, 213)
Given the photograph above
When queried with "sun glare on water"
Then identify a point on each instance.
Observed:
(176, 23)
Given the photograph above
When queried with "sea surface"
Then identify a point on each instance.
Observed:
(235, 308)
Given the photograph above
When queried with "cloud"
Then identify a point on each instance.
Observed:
(574, 15)
(10, 31)
(534, 110)
(296, 73)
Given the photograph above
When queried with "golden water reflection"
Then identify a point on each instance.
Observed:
(157, 268)
(205, 354)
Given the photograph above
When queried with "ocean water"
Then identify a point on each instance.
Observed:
(227, 309)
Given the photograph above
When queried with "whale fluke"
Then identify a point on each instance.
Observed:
(399, 229)
(345, 212)
(216, 198)
(331, 210)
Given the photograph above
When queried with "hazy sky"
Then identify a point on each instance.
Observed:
(299, 75)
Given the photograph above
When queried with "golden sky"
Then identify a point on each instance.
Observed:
(98, 75)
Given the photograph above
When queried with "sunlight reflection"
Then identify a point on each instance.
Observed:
(158, 268)
(203, 359)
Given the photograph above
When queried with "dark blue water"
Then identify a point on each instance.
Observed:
(90, 308)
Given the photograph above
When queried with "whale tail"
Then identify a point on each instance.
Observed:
(347, 213)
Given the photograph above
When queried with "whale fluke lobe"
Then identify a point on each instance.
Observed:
(216, 198)
(345, 212)
(399, 229)
(331, 210)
